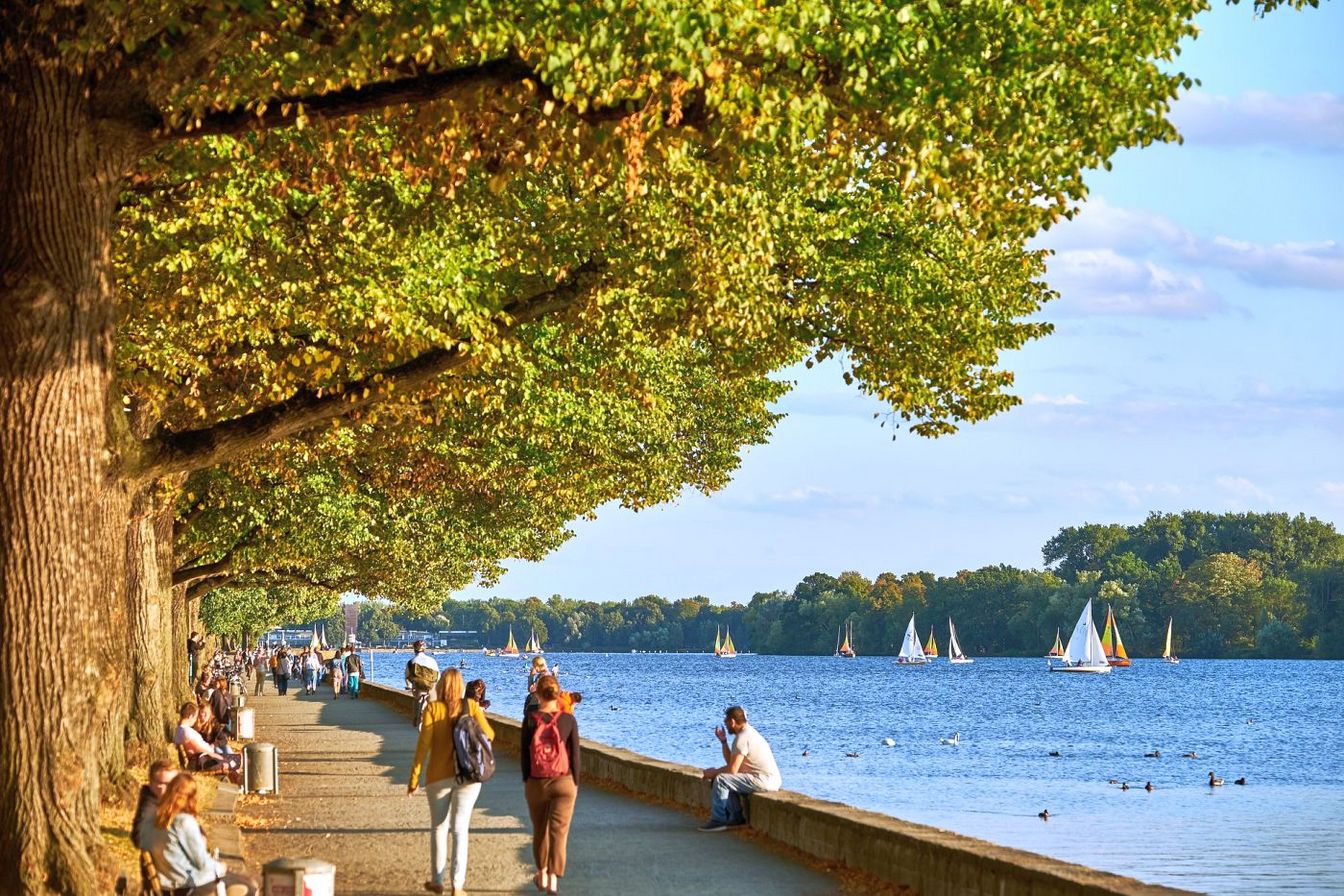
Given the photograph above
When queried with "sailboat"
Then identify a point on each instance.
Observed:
(1057, 650)
(726, 650)
(845, 649)
(1084, 653)
(718, 640)
(511, 648)
(911, 653)
(1111, 643)
(954, 654)
(533, 645)
(315, 643)
(1167, 655)
(931, 646)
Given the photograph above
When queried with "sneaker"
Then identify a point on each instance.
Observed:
(710, 827)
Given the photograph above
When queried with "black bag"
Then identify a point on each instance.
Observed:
(475, 757)
(421, 676)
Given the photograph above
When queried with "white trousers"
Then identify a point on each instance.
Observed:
(450, 805)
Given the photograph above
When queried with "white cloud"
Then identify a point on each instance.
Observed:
(1102, 281)
(1056, 400)
(1334, 491)
(1310, 121)
(1108, 244)
(1242, 488)
(1312, 265)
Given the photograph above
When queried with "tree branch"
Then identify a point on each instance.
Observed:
(189, 450)
(281, 111)
(193, 574)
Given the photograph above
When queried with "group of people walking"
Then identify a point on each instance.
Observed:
(343, 667)
(550, 760)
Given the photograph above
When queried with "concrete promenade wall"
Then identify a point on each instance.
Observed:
(928, 860)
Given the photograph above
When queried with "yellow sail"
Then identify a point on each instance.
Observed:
(1058, 649)
(1111, 645)
(510, 648)
(718, 641)
(1106, 645)
(931, 648)
(728, 649)
(1166, 651)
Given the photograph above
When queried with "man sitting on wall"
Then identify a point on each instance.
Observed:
(749, 767)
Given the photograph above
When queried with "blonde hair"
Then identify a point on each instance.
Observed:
(538, 662)
(178, 798)
(451, 690)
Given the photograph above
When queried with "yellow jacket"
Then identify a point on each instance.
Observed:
(436, 740)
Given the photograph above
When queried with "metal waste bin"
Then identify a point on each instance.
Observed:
(244, 723)
(261, 768)
(298, 877)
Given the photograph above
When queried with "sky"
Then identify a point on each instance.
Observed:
(1197, 364)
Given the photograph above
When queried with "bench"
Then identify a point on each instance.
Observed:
(184, 762)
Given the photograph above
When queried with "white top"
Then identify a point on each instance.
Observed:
(757, 758)
(190, 739)
(424, 659)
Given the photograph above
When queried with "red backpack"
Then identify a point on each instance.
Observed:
(550, 757)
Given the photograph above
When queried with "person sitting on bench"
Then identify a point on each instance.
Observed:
(199, 753)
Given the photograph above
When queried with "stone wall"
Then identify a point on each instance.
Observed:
(928, 860)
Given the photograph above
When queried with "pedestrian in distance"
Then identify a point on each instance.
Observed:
(749, 766)
(336, 665)
(284, 665)
(550, 761)
(451, 784)
(354, 673)
(422, 674)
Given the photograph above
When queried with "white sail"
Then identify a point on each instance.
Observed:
(911, 650)
(1084, 652)
(954, 653)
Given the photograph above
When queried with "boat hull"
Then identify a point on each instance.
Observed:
(904, 662)
(1174, 660)
(962, 661)
(1095, 670)
(1120, 663)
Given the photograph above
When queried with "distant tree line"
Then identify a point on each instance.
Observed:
(1235, 585)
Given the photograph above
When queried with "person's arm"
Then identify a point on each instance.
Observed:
(476, 713)
(731, 761)
(428, 723)
(572, 745)
(525, 753)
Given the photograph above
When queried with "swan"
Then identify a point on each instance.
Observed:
(951, 741)
(1214, 781)
(888, 742)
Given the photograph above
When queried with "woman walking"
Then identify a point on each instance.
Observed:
(550, 760)
(450, 801)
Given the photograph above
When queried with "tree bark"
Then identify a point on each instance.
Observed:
(62, 511)
(149, 601)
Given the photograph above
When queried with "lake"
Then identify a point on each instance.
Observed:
(1276, 723)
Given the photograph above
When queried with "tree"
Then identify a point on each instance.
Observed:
(768, 115)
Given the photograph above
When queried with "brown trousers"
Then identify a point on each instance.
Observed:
(550, 802)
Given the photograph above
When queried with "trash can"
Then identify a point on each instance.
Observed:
(244, 723)
(298, 877)
(261, 768)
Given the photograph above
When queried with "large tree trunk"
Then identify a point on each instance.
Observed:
(62, 512)
(150, 605)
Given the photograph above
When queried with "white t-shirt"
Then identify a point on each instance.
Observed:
(757, 758)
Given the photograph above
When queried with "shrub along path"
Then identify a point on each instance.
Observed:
(343, 771)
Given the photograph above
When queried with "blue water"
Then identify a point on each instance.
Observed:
(1277, 724)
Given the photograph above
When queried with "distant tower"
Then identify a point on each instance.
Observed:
(351, 622)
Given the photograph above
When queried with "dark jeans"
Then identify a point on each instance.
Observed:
(281, 684)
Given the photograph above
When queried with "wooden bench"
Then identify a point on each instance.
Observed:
(149, 876)
(185, 763)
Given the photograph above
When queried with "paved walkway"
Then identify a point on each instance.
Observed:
(343, 771)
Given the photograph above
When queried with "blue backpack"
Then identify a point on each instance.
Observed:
(475, 757)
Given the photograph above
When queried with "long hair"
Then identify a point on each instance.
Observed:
(450, 692)
(179, 797)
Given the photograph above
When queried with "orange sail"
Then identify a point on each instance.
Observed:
(1111, 642)
(931, 647)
